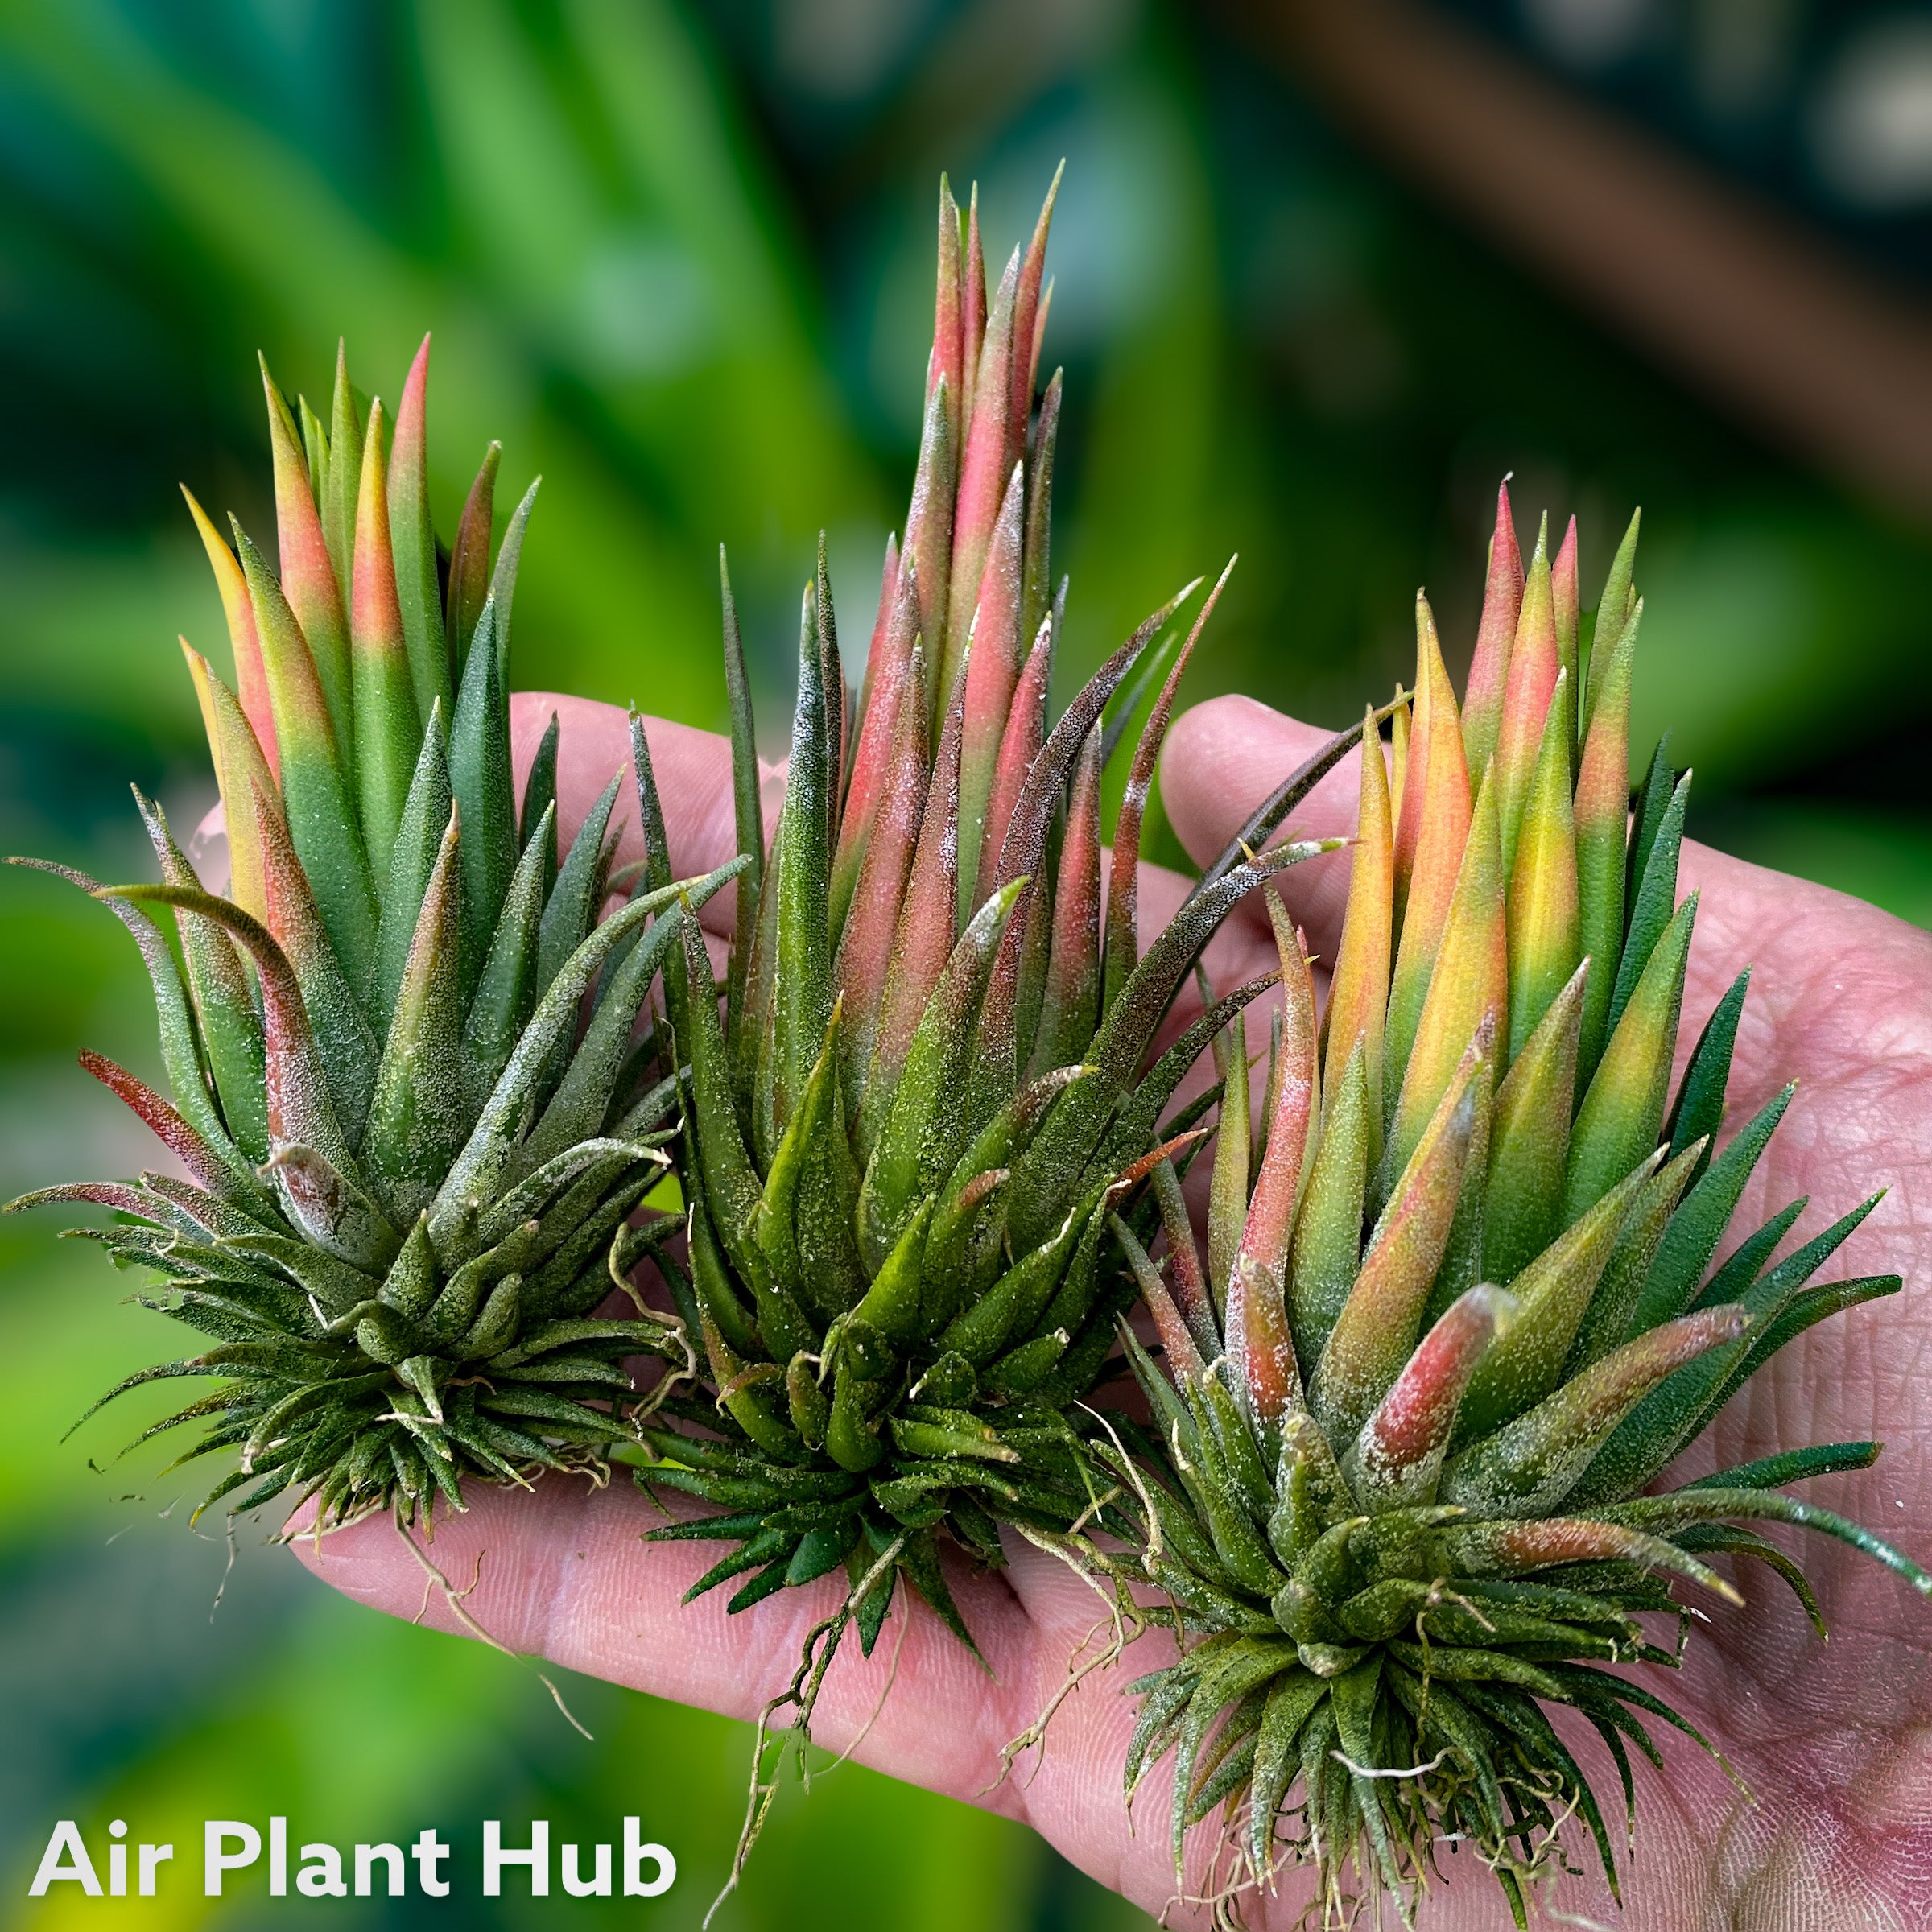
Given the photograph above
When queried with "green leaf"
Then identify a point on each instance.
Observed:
(571, 908)
(747, 810)
(230, 1030)
(479, 778)
(1653, 902)
(1741, 1268)
(577, 1109)
(1530, 1140)
(413, 538)
(1328, 1230)
(419, 1114)
(503, 580)
(802, 982)
(1699, 1110)
(926, 1130)
(477, 1175)
(1791, 1466)
(1665, 1514)
(317, 797)
(470, 557)
(732, 1188)
(540, 796)
(1623, 1112)
(1698, 1225)
(506, 989)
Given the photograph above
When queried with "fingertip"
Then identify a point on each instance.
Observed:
(1223, 757)
(693, 773)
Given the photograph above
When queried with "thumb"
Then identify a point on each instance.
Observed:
(693, 773)
(1223, 759)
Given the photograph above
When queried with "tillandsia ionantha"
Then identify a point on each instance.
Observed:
(1458, 1313)
(411, 1160)
(934, 1079)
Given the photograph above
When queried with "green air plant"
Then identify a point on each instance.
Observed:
(1458, 1312)
(932, 1076)
(409, 1159)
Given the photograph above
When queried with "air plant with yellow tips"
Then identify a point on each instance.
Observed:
(410, 1156)
(1458, 1311)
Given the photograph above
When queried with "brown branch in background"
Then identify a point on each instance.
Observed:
(1739, 300)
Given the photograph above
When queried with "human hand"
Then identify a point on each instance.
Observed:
(1841, 1834)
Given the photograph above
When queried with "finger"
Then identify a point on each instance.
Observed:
(1223, 759)
(693, 771)
(562, 1573)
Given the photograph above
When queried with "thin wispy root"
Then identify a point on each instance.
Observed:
(1122, 1621)
(801, 1696)
(459, 1609)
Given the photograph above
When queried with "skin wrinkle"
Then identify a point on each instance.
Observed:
(1836, 1742)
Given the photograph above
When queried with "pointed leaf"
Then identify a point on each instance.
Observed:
(1531, 1466)
(1328, 1230)
(470, 557)
(1698, 1225)
(991, 676)
(1623, 1112)
(1495, 634)
(1544, 942)
(1122, 937)
(571, 909)
(887, 665)
(1377, 1329)
(1530, 1146)
(414, 539)
(481, 779)
(1432, 837)
(802, 980)
(1653, 902)
(868, 943)
(986, 462)
(1698, 1109)
(251, 679)
(412, 858)
(308, 576)
(1071, 1010)
(389, 732)
(347, 410)
(1036, 577)
(1396, 1461)
(419, 1115)
(925, 1132)
(1468, 985)
(229, 1029)
(1552, 1294)
(315, 792)
(1532, 688)
(1358, 1000)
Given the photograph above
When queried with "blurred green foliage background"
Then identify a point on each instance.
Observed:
(677, 258)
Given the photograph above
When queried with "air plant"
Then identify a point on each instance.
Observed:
(407, 1159)
(1459, 1314)
(936, 1072)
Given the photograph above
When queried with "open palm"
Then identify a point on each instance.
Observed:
(1835, 1744)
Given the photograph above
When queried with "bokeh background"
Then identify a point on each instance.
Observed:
(1325, 270)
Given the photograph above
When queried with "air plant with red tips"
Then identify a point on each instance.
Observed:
(1458, 1312)
(410, 1153)
(934, 1078)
